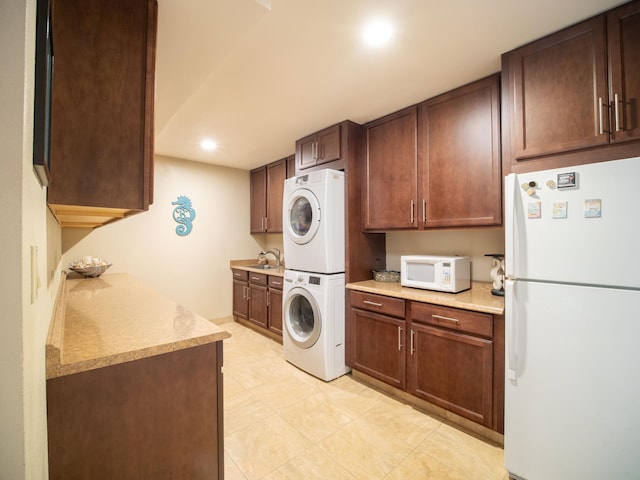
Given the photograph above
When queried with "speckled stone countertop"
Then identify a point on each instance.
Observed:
(478, 298)
(114, 319)
(244, 265)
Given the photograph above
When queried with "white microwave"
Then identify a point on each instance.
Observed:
(430, 272)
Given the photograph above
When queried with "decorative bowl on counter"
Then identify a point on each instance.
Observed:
(386, 275)
(90, 269)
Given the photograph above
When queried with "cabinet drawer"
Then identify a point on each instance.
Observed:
(241, 275)
(276, 282)
(378, 303)
(258, 278)
(453, 318)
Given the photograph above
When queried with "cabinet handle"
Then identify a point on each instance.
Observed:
(268, 298)
(399, 338)
(369, 302)
(276, 283)
(615, 109)
(246, 293)
(266, 223)
(449, 319)
(412, 348)
(257, 279)
(412, 210)
(314, 150)
(424, 211)
(601, 115)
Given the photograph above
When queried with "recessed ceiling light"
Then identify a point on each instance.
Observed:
(208, 144)
(377, 32)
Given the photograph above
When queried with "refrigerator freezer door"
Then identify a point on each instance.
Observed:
(572, 406)
(555, 234)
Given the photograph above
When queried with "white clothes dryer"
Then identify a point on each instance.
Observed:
(313, 222)
(313, 331)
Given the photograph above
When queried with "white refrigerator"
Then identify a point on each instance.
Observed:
(572, 313)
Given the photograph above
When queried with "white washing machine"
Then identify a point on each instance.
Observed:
(313, 328)
(313, 222)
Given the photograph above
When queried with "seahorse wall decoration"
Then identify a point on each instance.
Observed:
(184, 214)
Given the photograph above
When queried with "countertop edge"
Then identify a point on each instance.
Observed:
(55, 365)
(61, 369)
(53, 346)
(455, 300)
(244, 265)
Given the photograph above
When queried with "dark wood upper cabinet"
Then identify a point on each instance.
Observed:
(572, 96)
(437, 164)
(266, 192)
(556, 87)
(258, 199)
(319, 148)
(102, 110)
(459, 158)
(623, 36)
(390, 190)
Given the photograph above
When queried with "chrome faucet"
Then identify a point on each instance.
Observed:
(276, 253)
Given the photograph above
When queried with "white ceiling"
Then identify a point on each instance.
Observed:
(256, 80)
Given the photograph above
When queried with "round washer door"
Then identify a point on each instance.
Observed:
(303, 216)
(302, 317)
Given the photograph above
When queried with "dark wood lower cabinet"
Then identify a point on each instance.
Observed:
(258, 305)
(157, 417)
(379, 346)
(274, 304)
(257, 298)
(449, 357)
(452, 370)
(240, 294)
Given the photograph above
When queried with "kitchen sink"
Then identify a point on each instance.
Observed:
(263, 267)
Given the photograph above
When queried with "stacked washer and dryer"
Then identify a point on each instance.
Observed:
(313, 296)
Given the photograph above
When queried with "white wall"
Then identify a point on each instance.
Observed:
(473, 242)
(26, 223)
(193, 270)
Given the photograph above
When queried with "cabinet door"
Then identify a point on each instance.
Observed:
(291, 166)
(328, 145)
(379, 346)
(274, 299)
(623, 31)
(102, 104)
(391, 172)
(240, 302)
(258, 200)
(459, 157)
(306, 152)
(258, 305)
(452, 370)
(556, 88)
(276, 175)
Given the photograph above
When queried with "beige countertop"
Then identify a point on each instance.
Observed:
(116, 318)
(244, 265)
(478, 298)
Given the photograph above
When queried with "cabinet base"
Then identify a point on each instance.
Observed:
(461, 422)
(263, 331)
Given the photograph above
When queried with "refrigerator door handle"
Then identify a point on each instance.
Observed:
(510, 223)
(511, 329)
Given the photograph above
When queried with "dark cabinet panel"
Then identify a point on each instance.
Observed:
(452, 370)
(390, 194)
(102, 110)
(318, 148)
(459, 158)
(378, 346)
(572, 97)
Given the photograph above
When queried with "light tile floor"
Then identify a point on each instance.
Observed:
(283, 424)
